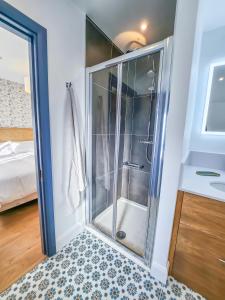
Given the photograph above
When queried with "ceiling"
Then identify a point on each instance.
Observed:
(14, 56)
(121, 19)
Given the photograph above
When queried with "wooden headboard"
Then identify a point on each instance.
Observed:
(16, 134)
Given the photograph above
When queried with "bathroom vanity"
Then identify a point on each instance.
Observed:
(197, 251)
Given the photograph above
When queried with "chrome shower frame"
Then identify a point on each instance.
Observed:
(163, 93)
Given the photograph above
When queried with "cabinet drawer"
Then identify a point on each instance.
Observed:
(204, 214)
(199, 262)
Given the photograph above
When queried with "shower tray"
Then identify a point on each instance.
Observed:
(131, 219)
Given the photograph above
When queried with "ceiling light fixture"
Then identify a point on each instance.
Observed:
(221, 78)
(144, 26)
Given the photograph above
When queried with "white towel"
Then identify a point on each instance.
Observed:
(73, 166)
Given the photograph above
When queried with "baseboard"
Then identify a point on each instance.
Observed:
(67, 236)
(159, 272)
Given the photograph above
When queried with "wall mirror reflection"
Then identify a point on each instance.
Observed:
(214, 120)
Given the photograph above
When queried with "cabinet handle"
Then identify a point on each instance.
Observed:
(222, 260)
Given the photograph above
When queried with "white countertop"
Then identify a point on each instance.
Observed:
(200, 185)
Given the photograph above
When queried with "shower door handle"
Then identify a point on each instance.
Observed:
(146, 142)
(132, 165)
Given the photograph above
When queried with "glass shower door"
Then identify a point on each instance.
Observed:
(103, 122)
(124, 102)
(135, 143)
(126, 115)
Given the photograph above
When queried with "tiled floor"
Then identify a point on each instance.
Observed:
(89, 269)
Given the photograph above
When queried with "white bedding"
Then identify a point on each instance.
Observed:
(17, 175)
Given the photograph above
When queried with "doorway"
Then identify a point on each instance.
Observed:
(26, 200)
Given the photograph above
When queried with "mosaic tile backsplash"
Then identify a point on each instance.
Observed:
(15, 105)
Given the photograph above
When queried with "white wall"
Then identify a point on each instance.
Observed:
(212, 14)
(184, 37)
(193, 85)
(14, 65)
(209, 48)
(65, 24)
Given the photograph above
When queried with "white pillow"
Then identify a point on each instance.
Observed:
(23, 147)
(6, 148)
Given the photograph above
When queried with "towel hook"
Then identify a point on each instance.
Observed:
(68, 84)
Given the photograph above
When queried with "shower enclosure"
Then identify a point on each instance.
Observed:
(127, 103)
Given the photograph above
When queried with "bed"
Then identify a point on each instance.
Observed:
(17, 167)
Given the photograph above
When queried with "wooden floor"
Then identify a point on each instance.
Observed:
(20, 242)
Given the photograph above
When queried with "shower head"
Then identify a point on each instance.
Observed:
(151, 88)
(151, 73)
(151, 76)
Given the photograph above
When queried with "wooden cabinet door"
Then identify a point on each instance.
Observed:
(199, 261)
(204, 214)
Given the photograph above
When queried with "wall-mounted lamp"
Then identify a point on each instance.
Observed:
(27, 84)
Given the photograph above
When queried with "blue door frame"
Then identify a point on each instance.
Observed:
(18, 23)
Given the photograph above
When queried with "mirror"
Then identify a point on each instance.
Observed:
(214, 119)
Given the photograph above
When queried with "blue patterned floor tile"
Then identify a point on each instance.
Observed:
(175, 290)
(87, 268)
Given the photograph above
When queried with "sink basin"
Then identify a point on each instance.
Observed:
(219, 185)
